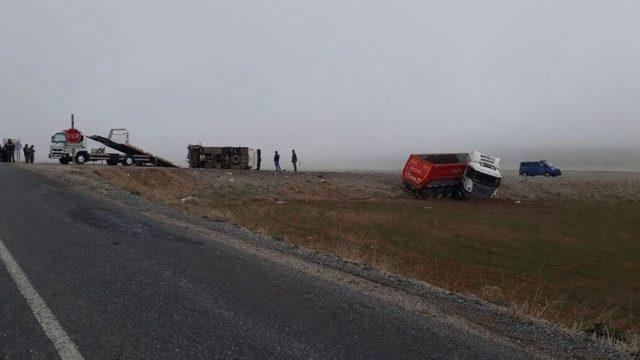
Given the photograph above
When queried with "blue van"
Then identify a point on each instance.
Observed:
(542, 167)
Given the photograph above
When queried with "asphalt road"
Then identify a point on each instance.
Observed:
(120, 285)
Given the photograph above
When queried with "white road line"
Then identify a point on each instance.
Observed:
(66, 348)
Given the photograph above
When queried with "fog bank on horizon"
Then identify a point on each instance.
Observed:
(348, 84)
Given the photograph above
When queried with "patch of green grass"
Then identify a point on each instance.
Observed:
(585, 252)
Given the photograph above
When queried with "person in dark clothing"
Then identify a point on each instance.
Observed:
(294, 160)
(32, 153)
(25, 151)
(259, 153)
(276, 161)
(11, 151)
(3, 154)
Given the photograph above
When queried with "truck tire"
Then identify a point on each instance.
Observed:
(524, 173)
(128, 161)
(546, 174)
(81, 158)
(426, 193)
(235, 159)
(65, 160)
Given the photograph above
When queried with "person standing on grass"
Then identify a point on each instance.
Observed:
(294, 160)
(276, 161)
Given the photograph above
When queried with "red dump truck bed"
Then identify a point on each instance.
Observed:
(437, 170)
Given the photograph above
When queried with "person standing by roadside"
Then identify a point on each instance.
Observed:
(276, 161)
(294, 160)
(11, 150)
(25, 151)
(32, 153)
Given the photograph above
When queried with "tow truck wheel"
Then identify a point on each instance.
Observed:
(128, 161)
(81, 158)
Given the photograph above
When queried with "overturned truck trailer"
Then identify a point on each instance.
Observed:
(238, 158)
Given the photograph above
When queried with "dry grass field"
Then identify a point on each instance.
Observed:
(565, 249)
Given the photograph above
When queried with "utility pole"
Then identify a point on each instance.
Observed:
(73, 148)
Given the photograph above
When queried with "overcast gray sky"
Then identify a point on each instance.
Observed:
(346, 83)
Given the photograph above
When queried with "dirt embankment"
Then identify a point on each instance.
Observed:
(224, 184)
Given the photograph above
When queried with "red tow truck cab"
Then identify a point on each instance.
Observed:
(429, 175)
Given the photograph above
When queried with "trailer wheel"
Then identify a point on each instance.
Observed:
(128, 161)
(81, 158)
(457, 194)
(435, 193)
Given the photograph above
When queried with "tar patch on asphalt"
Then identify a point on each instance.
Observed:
(111, 220)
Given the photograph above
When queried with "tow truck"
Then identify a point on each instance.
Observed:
(71, 146)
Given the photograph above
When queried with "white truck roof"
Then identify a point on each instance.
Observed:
(485, 163)
(476, 156)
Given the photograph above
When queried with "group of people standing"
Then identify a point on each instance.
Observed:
(294, 160)
(8, 152)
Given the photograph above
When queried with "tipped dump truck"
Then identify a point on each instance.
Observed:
(461, 175)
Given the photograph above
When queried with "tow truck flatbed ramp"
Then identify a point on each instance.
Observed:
(132, 150)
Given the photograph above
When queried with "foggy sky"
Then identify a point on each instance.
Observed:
(348, 84)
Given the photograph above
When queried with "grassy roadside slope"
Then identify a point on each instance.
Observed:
(566, 260)
(574, 262)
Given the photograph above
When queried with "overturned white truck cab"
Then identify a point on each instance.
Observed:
(482, 176)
